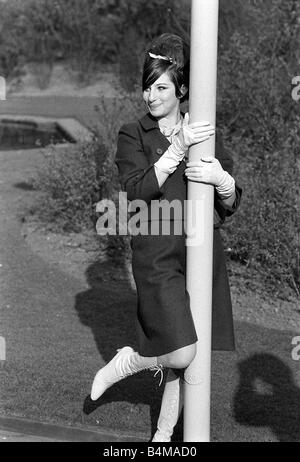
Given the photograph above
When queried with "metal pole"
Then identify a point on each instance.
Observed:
(203, 79)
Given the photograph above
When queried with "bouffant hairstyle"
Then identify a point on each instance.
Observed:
(167, 53)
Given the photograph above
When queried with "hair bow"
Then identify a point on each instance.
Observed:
(165, 58)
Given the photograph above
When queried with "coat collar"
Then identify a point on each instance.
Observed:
(148, 122)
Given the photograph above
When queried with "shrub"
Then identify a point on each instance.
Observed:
(264, 235)
(258, 118)
(72, 180)
(70, 183)
(89, 32)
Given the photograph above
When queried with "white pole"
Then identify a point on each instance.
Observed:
(203, 79)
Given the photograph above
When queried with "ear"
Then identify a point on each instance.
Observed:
(183, 90)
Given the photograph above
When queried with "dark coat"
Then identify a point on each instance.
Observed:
(164, 320)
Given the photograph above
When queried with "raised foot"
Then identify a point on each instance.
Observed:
(112, 373)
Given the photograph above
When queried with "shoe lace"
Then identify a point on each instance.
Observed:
(124, 371)
(158, 370)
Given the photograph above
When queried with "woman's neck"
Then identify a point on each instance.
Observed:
(170, 120)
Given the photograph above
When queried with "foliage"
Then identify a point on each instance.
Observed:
(264, 235)
(72, 180)
(259, 120)
(86, 32)
(70, 185)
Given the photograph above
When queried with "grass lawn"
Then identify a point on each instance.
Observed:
(51, 361)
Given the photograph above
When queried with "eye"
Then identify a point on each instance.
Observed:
(161, 88)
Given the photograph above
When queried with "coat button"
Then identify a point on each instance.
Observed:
(159, 151)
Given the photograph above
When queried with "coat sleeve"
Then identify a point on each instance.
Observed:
(136, 175)
(221, 210)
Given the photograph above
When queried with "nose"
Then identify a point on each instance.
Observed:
(152, 95)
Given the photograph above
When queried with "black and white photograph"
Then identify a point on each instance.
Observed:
(149, 224)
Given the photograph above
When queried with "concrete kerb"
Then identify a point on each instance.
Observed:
(25, 427)
(72, 127)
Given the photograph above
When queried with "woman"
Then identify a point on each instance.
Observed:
(151, 161)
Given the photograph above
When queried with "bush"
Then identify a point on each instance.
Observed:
(70, 184)
(264, 235)
(259, 120)
(44, 31)
(72, 180)
(83, 32)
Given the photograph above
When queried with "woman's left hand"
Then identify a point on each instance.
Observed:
(207, 170)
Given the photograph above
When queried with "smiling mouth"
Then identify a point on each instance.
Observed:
(155, 106)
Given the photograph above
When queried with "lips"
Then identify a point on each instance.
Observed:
(153, 106)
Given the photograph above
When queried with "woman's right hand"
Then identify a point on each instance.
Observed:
(189, 134)
(194, 133)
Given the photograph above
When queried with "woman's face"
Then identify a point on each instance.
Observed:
(160, 98)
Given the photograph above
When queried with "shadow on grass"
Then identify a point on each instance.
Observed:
(25, 186)
(268, 397)
(108, 308)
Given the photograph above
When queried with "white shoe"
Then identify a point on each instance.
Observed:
(171, 406)
(126, 362)
(160, 437)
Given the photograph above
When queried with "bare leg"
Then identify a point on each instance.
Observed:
(178, 359)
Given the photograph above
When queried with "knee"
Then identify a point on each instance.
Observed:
(182, 358)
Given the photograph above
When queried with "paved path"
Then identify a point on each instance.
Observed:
(25, 430)
(83, 108)
(16, 437)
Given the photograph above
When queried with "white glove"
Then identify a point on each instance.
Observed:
(209, 170)
(194, 133)
(187, 136)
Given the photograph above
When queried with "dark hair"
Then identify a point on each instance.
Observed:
(176, 64)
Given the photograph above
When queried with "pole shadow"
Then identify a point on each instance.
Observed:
(268, 397)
